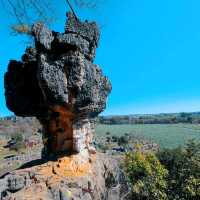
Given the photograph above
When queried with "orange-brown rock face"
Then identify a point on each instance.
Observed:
(62, 134)
(58, 131)
(76, 165)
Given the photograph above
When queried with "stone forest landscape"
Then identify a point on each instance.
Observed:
(74, 129)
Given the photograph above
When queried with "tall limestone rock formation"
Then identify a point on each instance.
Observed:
(58, 83)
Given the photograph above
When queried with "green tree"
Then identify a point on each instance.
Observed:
(183, 165)
(146, 175)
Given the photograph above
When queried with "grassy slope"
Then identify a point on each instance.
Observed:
(166, 135)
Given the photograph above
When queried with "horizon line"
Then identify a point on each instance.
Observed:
(158, 113)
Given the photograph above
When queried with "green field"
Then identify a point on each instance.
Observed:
(166, 135)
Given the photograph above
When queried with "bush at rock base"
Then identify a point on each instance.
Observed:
(147, 176)
(171, 174)
(183, 165)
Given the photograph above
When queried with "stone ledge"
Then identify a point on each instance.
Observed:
(103, 181)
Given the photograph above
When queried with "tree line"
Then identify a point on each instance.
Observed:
(151, 119)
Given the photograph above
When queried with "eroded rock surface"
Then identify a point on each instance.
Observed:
(58, 83)
(104, 181)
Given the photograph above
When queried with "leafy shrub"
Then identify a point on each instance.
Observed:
(183, 165)
(108, 139)
(146, 175)
(18, 140)
(115, 138)
(169, 175)
(123, 140)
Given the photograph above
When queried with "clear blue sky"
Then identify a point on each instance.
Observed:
(149, 49)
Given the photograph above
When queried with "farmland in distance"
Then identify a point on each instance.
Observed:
(166, 135)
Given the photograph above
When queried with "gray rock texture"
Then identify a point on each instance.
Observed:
(43, 36)
(105, 181)
(58, 78)
(58, 66)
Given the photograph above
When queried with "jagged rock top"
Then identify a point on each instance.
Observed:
(87, 30)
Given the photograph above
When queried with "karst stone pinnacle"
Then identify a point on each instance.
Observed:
(57, 82)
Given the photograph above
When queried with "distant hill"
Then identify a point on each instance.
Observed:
(162, 118)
